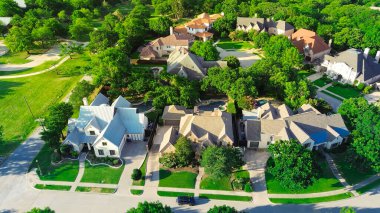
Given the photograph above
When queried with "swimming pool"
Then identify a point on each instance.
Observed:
(212, 105)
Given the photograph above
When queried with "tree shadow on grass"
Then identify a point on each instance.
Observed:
(8, 88)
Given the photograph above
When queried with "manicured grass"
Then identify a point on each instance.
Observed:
(350, 173)
(332, 95)
(66, 171)
(137, 191)
(368, 187)
(225, 197)
(40, 91)
(38, 68)
(174, 194)
(325, 182)
(215, 184)
(305, 73)
(101, 174)
(15, 58)
(94, 189)
(52, 187)
(234, 45)
(241, 174)
(180, 179)
(322, 82)
(345, 92)
(311, 200)
(141, 182)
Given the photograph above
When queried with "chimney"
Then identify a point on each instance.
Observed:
(377, 58)
(171, 30)
(85, 101)
(196, 110)
(222, 13)
(366, 51)
(330, 42)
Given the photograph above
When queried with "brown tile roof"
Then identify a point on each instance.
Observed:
(204, 35)
(173, 40)
(148, 52)
(303, 37)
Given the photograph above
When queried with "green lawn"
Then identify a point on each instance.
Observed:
(332, 95)
(368, 187)
(101, 174)
(351, 174)
(214, 184)
(322, 82)
(325, 182)
(40, 91)
(227, 44)
(66, 171)
(94, 189)
(52, 187)
(15, 58)
(311, 200)
(180, 179)
(225, 197)
(173, 194)
(345, 92)
(141, 182)
(137, 191)
(241, 174)
(305, 73)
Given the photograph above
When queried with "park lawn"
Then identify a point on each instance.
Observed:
(174, 194)
(227, 44)
(141, 182)
(94, 189)
(345, 92)
(40, 91)
(226, 197)
(332, 95)
(52, 187)
(216, 184)
(65, 171)
(43, 66)
(351, 174)
(137, 191)
(15, 58)
(311, 200)
(368, 187)
(325, 182)
(181, 179)
(101, 174)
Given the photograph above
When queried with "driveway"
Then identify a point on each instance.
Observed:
(245, 57)
(335, 103)
(256, 161)
(373, 97)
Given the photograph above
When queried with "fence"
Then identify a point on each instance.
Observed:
(152, 133)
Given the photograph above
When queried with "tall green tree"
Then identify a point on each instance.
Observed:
(352, 108)
(19, 39)
(8, 8)
(222, 209)
(70, 49)
(206, 50)
(146, 207)
(160, 25)
(184, 152)
(102, 39)
(297, 93)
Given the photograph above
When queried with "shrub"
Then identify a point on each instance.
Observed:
(74, 154)
(231, 108)
(248, 187)
(168, 160)
(65, 149)
(361, 86)
(56, 156)
(115, 162)
(232, 36)
(136, 174)
(367, 89)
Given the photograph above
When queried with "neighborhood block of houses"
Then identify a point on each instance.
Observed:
(106, 128)
(264, 25)
(311, 128)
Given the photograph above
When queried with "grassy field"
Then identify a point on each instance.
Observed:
(66, 171)
(311, 200)
(225, 197)
(332, 95)
(180, 179)
(214, 184)
(39, 68)
(227, 44)
(52, 187)
(322, 82)
(94, 189)
(351, 174)
(173, 194)
(368, 187)
(15, 58)
(137, 192)
(345, 92)
(325, 182)
(40, 91)
(101, 174)
(141, 182)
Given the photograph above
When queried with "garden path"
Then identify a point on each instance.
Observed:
(82, 159)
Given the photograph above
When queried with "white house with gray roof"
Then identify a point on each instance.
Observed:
(311, 128)
(105, 128)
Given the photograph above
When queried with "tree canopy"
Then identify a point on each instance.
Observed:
(146, 207)
(206, 50)
(222, 209)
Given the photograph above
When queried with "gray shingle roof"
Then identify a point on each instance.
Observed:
(253, 130)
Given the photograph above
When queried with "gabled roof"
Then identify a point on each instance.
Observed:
(175, 112)
(104, 115)
(283, 25)
(272, 113)
(307, 108)
(100, 99)
(188, 62)
(5, 20)
(245, 22)
(303, 38)
(148, 52)
(169, 140)
(121, 102)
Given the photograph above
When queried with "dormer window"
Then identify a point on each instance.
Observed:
(92, 132)
(104, 143)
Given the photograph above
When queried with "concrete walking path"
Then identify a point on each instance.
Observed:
(82, 159)
(201, 172)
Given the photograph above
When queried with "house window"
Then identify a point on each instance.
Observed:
(104, 143)
(100, 152)
(112, 152)
(92, 132)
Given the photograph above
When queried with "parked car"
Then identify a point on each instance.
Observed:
(183, 200)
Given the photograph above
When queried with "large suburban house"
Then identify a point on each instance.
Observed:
(168, 141)
(264, 25)
(200, 26)
(173, 113)
(163, 46)
(186, 64)
(310, 44)
(311, 128)
(105, 128)
(351, 65)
